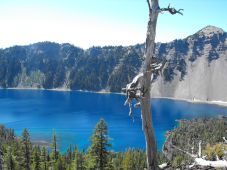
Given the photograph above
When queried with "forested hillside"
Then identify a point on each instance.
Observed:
(50, 65)
(196, 66)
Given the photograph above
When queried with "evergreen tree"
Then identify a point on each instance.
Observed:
(128, 162)
(26, 150)
(36, 165)
(69, 158)
(49, 161)
(54, 153)
(43, 158)
(117, 161)
(9, 160)
(18, 154)
(1, 157)
(80, 161)
(98, 155)
(69, 155)
(75, 158)
(75, 153)
(139, 159)
(134, 159)
(60, 163)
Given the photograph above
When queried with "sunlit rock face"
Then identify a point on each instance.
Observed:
(197, 67)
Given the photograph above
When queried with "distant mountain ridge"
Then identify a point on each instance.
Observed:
(50, 65)
(197, 66)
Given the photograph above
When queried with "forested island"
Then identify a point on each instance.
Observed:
(21, 153)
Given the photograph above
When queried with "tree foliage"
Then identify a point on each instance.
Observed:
(26, 148)
(98, 154)
(21, 154)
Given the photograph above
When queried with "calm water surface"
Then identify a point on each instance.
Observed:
(73, 116)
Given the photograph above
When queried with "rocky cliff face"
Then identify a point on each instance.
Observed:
(197, 66)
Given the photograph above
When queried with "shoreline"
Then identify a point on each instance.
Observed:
(61, 90)
(195, 101)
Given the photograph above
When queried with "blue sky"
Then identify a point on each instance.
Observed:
(87, 23)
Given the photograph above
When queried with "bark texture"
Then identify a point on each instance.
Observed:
(151, 148)
(139, 88)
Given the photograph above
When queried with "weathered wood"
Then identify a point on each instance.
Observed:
(172, 11)
(148, 69)
(151, 148)
(140, 87)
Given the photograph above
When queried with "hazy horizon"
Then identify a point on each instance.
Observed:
(90, 46)
(87, 23)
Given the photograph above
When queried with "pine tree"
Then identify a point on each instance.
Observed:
(43, 158)
(98, 155)
(9, 160)
(128, 162)
(75, 152)
(26, 150)
(1, 158)
(117, 161)
(60, 163)
(140, 159)
(49, 161)
(54, 153)
(18, 154)
(69, 155)
(80, 160)
(69, 158)
(75, 155)
(36, 165)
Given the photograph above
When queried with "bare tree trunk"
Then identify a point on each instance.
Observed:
(140, 86)
(151, 148)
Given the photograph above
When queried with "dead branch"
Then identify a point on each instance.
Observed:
(172, 10)
(135, 90)
(139, 88)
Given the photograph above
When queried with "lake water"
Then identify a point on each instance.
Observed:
(73, 115)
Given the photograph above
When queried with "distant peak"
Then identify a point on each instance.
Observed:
(210, 30)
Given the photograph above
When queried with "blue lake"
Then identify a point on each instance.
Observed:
(73, 115)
